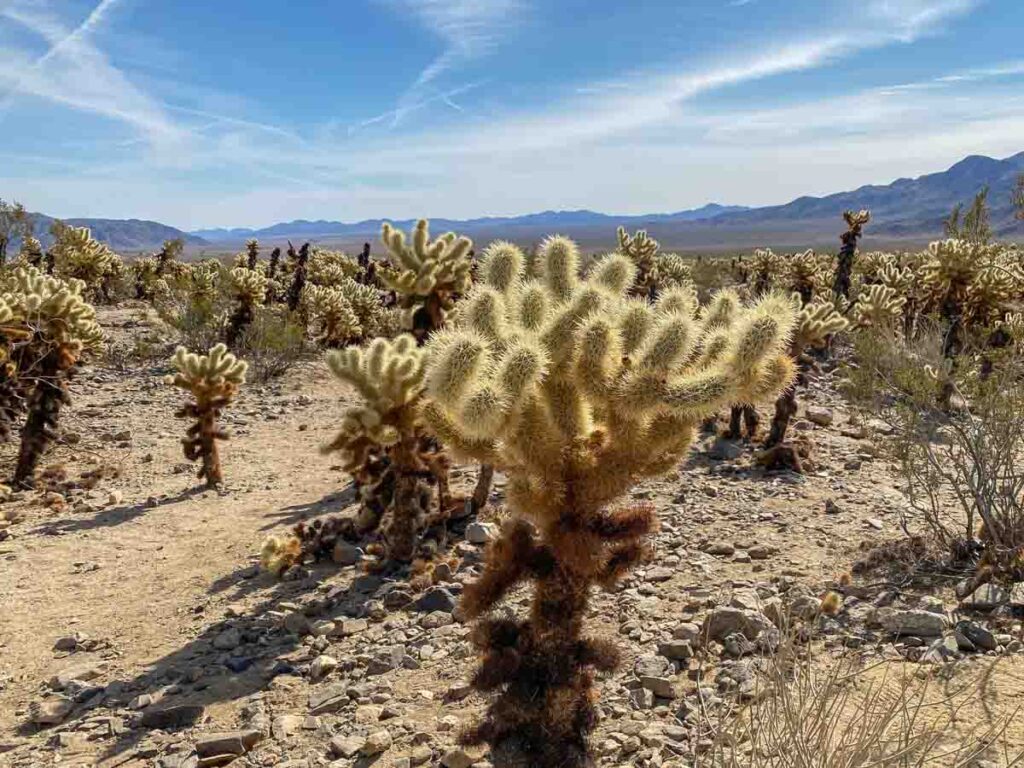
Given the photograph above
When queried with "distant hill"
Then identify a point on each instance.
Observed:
(546, 221)
(905, 213)
(127, 235)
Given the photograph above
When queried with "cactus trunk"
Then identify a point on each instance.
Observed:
(785, 409)
(482, 491)
(44, 406)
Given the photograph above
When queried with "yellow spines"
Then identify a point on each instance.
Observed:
(856, 219)
(766, 269)
(615, 272)
(388, 374)
(218, 372)
(806, 274)
(427, 265)
(878, 305)
(330, 268)
(279, 553)
(78, 256)
(815, 323)
(501, 265)
(249, 286)
(330, 310)
(673, 271)
(585, 362)
(55, 308)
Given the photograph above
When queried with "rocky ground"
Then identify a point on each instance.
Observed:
(137, 630)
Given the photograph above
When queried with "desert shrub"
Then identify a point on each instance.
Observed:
(272, 343)
(843, 713)
(198, 317)
(961, 466)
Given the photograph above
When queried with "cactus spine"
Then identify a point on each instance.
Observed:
(576, 391)
(213, 380)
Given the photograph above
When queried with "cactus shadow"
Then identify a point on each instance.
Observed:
(206, 671)
(335, 501)
(112, 516)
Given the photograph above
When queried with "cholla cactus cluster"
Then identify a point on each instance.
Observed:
(213, 381)
(806, 275)
(78, 256)
(428, 275)
(250, 290)
(766, 267)
(855, 223)
(576, 391)
(878, 306)
(332, 315)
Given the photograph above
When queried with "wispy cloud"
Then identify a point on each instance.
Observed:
(74, 73)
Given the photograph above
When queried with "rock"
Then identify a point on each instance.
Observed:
(420, 755)
(662, 687)
(377, 742)
(737, 645)
(942, 650)
(725, 450)
(169, 718)
(285, 725)
(297, 623)
(659, 574)
(346, 554)
(456, 758)
(687, 631)
(677, 650)
(831, 508)
(436, 619)
(322, 666)
(874, 522)
(724, 621)
(917, 623)
(719, 548)
(435, 599)
(760, 552)
(652, 666)
(641, 698)
(349, 627)
(328, 700)
(823, 417)
(985, 598)
(80, 672)
(346, 746)
(50, 711)
(228, 640)
(69, 643)
(368, 714)
(481, 533)
(227, 743)
(977, 635)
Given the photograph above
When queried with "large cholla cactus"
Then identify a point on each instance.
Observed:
(805, 275)
(331, 268)
(855, 223)
(428, 275)
(766, 270)
(330, 312)
(57, 326)
(401, 472)
(213, 380)
(815, 323)
(878, 306)
(576, 391)
(31, 253)
(250, 290)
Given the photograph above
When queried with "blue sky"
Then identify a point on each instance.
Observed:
(232, 113)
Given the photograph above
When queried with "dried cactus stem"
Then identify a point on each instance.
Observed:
(48, 397)
(740, 417)
(482, 490)
(786, 408)
(237, 323)
(201, 439)
(299, 275)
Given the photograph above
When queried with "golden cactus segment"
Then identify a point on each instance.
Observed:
(879, 305)
(331, 313)
(249, 286)
(576, 390)
(427, 274)
(213, 380)
(55, 308)
(815, 323)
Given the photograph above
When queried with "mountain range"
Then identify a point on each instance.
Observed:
(904, 213)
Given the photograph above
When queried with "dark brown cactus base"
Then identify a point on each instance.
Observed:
(740, 417)
(542, 668)
(44, 405)
(12, 402)
(200, 441)
(482, 491)
(240, 319)
(785, 409)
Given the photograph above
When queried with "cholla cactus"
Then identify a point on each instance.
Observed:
(855, 223)
(31, 253)
(673, 271)
(427, 275)
(576, 391)
(805, 275)
(766, 270)
(169, 254)
(815, 323)
(878, 306)
(400, 471)
(331, 268)
(250, 289)
(329, 310)
(213, 380)
(12, 399)
(59, 326)
(149, 283)
(252, 253)
(299, 268)
(78, 256)
(642, 250)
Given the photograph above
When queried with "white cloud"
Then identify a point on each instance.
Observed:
(74, 73)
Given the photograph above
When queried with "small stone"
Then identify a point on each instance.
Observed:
(481, 533)
(346, 554)
(50, 711)
(170, 718)
(81, 673)
(725, 450)
(456, 758)
(435, 599)
(724, 621)
(823, 417)
(677, 650)
(322, 666)
(917, 623)
(977, 635)
(831, 508)
(942, 650)
(641, 698)
(297, 623)
(377, 742)
(720, 548)
(985, 598)
(436, 619)
(659, 686)
(228, 743)
(760, 552)
(346, 746)
(349, 627)
(421, 754)
(228, 640)
(285, 725)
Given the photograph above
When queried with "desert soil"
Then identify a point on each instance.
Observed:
(138, 604)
